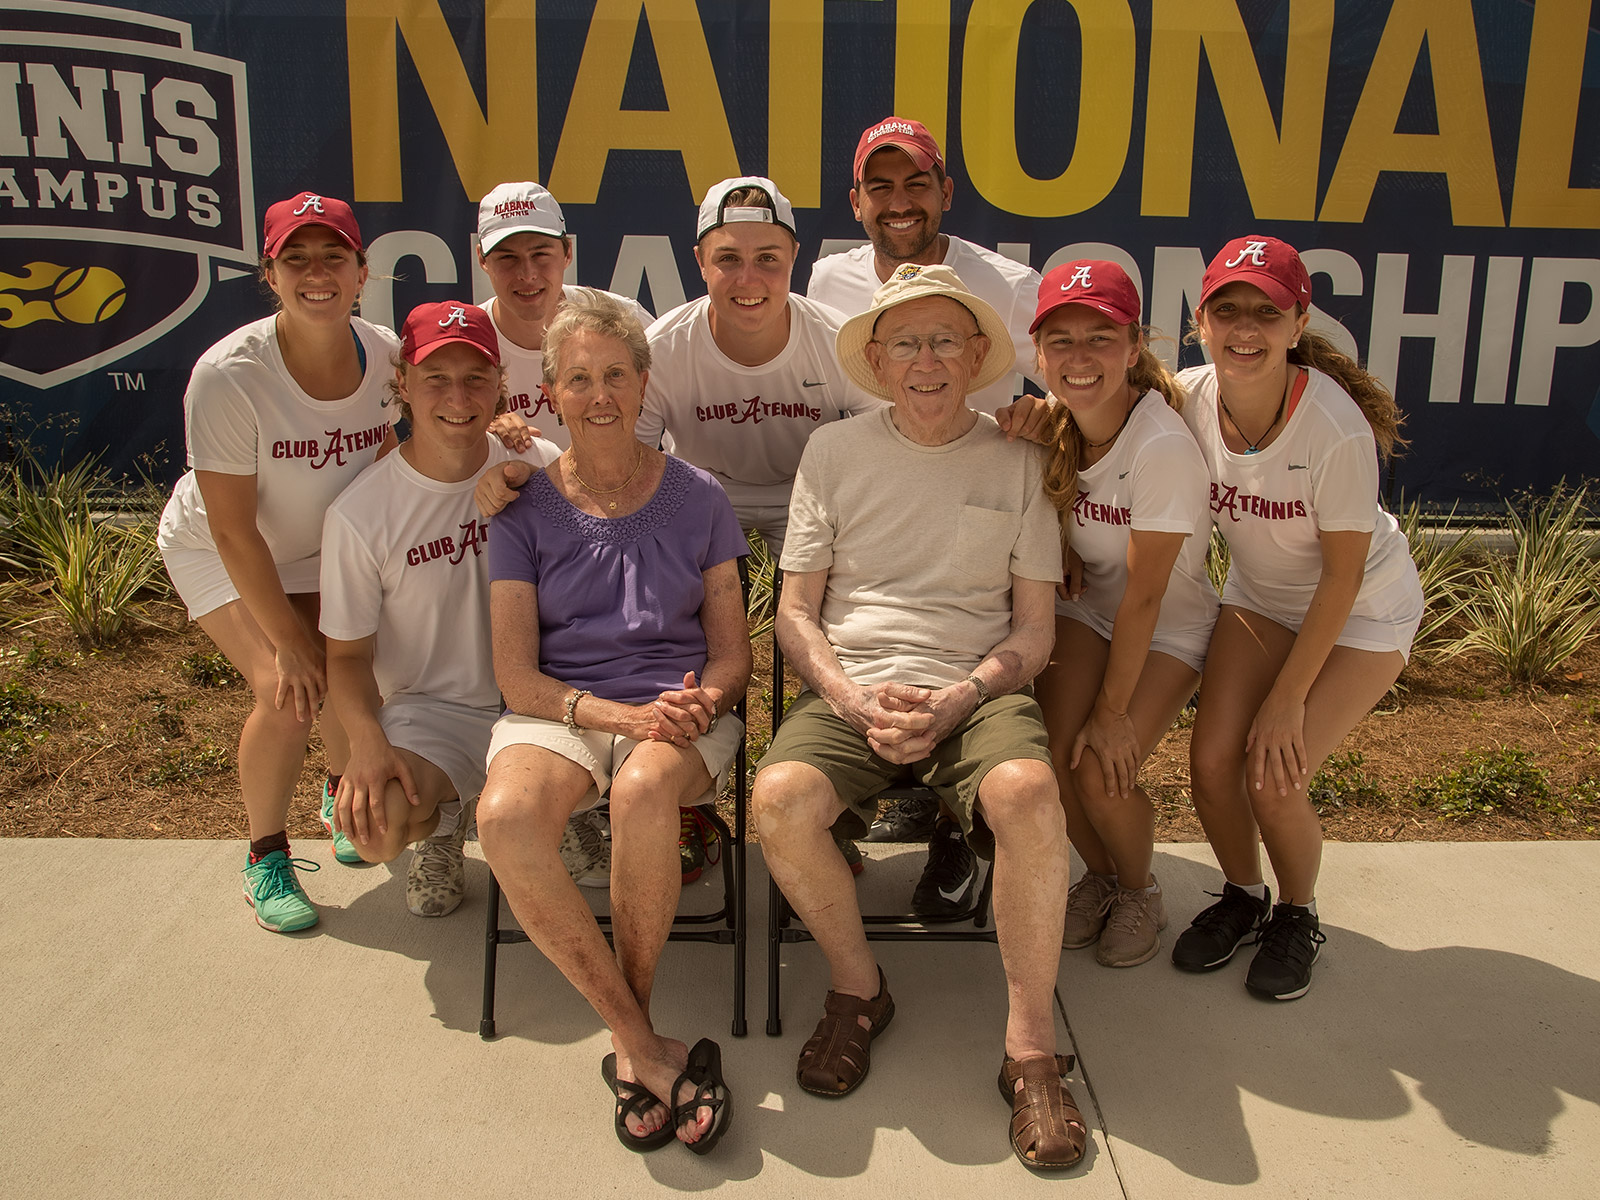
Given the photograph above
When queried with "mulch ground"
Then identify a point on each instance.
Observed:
(138, 741)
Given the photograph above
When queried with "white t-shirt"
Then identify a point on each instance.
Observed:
(525, 372)
(1154, 479)
(847, 281)
(920, 544)
(745, 425)
(245, 415)
(1320, 473)
(405, 557)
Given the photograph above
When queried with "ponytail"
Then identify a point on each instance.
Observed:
(1376, 404)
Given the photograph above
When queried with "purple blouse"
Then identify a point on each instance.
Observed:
(619, 600)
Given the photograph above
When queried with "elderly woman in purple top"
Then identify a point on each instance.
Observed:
(620, 645)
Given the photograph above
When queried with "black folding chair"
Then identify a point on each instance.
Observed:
(726, 926)
(783, 926)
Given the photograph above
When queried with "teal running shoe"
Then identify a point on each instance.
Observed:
(274, 891)
(343, 848)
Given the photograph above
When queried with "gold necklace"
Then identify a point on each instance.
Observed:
(638, 461)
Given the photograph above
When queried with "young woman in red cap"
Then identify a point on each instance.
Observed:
(1320, 604)
(1130, 484)
(280, 416)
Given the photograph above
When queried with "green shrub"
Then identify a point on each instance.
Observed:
(24, 720)
(1535, 609)
(1487, 781)
(1343, 780)
(211, 670)
(186, 766)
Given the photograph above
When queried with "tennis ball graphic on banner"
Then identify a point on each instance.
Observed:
(86, 295)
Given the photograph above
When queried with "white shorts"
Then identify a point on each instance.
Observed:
(204, 585)
(1188, 646)
(1377, 635)
(453, 737)
(602, 754)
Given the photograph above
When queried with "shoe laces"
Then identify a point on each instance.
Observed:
(694, 828)
(1092, 895)
(274, 877)
(1290, 937)
(436, 860)
(591, 841)
(1225, 911)
(1128, 908)
(950, 860)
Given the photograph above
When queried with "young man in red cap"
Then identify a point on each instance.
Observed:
(405, 608)
(900, 193)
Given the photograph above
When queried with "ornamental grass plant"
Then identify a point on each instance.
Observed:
(1532, 610)
(1444, 554)
(85, 541)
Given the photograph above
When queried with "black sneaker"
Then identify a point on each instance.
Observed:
(1216, 932)
(1290, 942)
(908, 820)
(949, 876)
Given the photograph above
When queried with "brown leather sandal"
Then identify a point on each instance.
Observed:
(1047, 1130)
(837, 1057)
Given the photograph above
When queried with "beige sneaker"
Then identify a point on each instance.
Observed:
(437, 878)
(1133, 928)
(1088, 902)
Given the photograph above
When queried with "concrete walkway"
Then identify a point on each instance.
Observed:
(161, 1045)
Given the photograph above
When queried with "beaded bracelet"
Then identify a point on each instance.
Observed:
(569, 718)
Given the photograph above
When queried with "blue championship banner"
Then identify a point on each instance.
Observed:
(1437, 162)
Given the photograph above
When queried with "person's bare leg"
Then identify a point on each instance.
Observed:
(1350, 683)
(646, 882)
(1018, 799)
(335, 742)
(794, 806)
(272, 743)
(1066, 691)
(1126, 824)
(522, 813)
(1247, 651)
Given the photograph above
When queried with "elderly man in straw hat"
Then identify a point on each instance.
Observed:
(918, 604)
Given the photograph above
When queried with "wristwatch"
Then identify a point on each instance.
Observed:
(983, 690)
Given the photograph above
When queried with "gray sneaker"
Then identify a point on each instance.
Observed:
(437, 878)
(586, 849)
(1088, 902)
(1133, 928)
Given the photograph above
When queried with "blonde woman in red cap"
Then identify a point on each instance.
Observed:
(1320, 605)
(280, 416)
(1130, 485)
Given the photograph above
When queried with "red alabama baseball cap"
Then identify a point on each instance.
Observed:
(433, 325)
(1269, 264)
(1101, 285)
(903, 134)
(308, 208)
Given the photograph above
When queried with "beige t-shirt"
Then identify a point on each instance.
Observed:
(920, 544)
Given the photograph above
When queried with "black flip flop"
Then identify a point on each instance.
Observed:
(704, 1074)
(633, 1099)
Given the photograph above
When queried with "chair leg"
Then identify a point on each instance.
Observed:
(736, 901)
(774, 958)
(491, 950)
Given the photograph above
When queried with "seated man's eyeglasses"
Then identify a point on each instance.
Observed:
(944, 345)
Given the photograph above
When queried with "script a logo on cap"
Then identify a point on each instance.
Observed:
(906, 271)
(1256, 252)
(1080, 276)
(456, 316)
(311, 203)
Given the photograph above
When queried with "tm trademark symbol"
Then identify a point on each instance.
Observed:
(124, 381)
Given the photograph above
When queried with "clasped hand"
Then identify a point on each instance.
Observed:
(902, 722)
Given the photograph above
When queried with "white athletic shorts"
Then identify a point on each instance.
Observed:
(602, 754)
(1378, 634)
(453, 737)
(204, 586)
(1187, 646)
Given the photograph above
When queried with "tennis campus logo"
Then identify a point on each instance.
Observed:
(125, 186)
